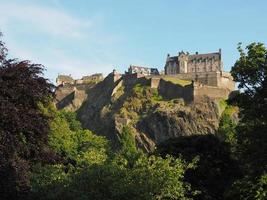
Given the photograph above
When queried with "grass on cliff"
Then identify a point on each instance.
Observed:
(140, 99)
(146, 91)
(175, 80)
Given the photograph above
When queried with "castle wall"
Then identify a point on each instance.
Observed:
(116, 76)
(205, 65)
(226, 81)
(207, 78)
(154, 82)
(63, 91)
(196, 90)
(92, 78)
(132, 78)
(212, 92)
(172, 68)
(169, 91)
(79, 97)
(71, 97)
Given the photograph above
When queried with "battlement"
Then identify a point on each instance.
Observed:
(68, 80)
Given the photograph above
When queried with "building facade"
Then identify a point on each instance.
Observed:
(206, 69)
(146, 71)
(64, 79)
(67, 79)
(193, 63)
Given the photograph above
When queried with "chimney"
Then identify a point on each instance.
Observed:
(220, 51)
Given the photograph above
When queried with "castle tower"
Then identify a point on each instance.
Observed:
(183, 60)
(220, 68)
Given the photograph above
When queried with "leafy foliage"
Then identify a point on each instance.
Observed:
(250, 149)
(79, 149)
(227, 125)
(250, 70)
(215, 169)
(148, 178)
(23, 128)
(73, 143)
(128, 174)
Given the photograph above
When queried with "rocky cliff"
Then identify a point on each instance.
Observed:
(114, 103)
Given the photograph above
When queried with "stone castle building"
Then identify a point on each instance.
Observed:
(146, 71)
(195, 63)
(67, 79)
(206, 69)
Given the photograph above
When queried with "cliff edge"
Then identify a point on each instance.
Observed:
(117, 102)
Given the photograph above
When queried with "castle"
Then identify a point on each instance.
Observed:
(186, 76)
(196, 63)
(67, 79)
(206, 69)
(146, 71)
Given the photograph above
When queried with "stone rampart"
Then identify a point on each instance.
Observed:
(154, 82)
(130, 79)
(210, 91)
(169, 91)
(191, 92)
(216, 79)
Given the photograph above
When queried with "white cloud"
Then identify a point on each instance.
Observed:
(51, 21)
(57, 62)
(75, 66)
(67, 31)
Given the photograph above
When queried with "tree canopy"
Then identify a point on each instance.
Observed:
(23, 128)
(250, 71)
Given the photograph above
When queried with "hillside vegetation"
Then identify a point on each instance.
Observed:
(152, 117)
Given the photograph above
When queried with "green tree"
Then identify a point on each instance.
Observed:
(70, 141)
(251, 133)
(250, 71)
(149, 177)
(98, 175)
(77, 148)
(128, 148)
(215, 170)
(228, 124)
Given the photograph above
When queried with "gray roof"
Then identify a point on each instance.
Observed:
(215, 55)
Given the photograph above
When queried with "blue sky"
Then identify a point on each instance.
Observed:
(81, 37)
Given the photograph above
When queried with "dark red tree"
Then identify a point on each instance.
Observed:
(23, 127)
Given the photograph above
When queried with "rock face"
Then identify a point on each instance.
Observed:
(114, 103)
(71, 96)
(177, 119)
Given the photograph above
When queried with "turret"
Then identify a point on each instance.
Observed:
(182, 59)
(220, 60)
